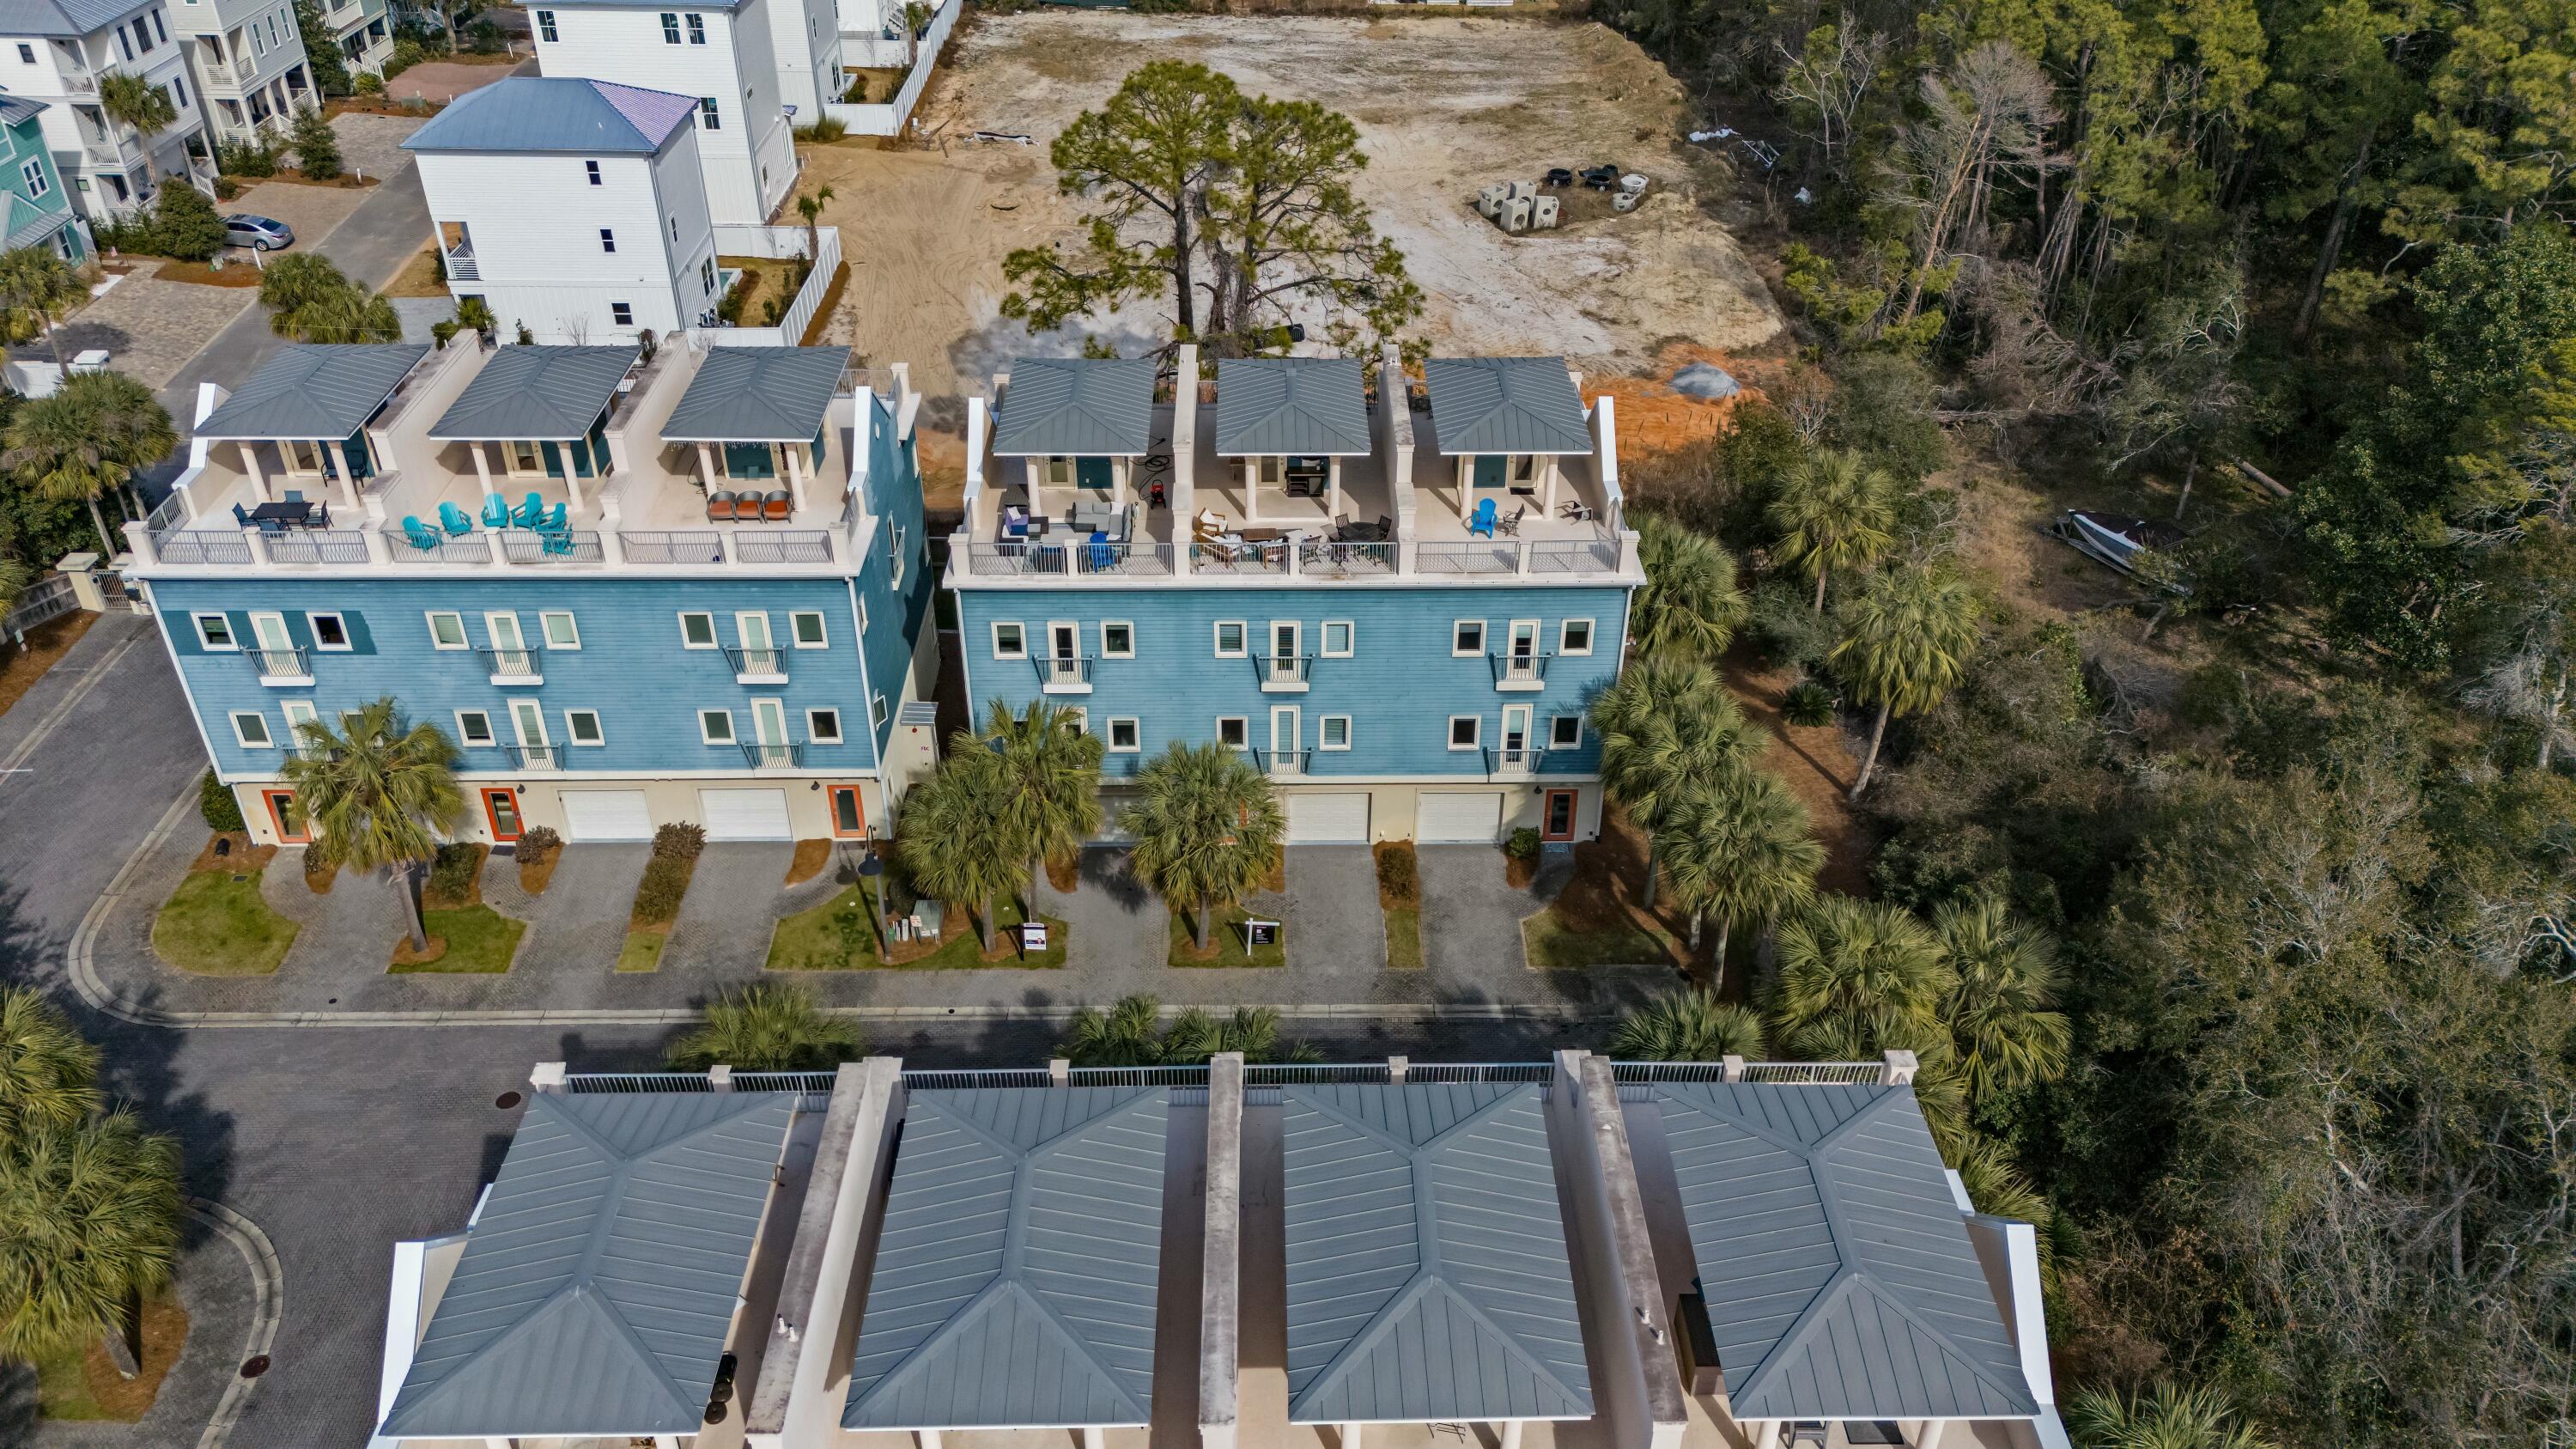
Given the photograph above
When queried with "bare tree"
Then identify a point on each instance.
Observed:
(1985, 122)
(1825, 80)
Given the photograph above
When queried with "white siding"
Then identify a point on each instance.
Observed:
(62, 73)
(806, 34)
(749, 158)
(236, 35)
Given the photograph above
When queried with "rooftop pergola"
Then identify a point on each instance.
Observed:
(1280, 414)
(759, 403)
(316, 396)
(554, 398)
(1500, 415)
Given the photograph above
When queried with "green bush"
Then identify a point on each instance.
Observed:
(452, 872)
(186, 224)
(1783, 624)
(827, 129)
(246, 158)
(443, 332)
(678, 841)
(317, 146)
(133, 234)
(538, 845)
(729, 310)
(226, 188)
(1522, 844)
(367, 83)
(483, 38)
(657, 896)
(1397, 872)
(1808, 704)
(408, 52)
(217, 803)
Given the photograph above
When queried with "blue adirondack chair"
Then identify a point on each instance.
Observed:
(454, 520)
(1483, 522)
(555, 540)
(531, 512)
(552, 522)
(496, 511)
(420, 535)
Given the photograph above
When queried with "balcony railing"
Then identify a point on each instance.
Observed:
(205, 547)
(432, 547)
(1517, 671)
(774, 757)
(782, 545)
(1239, 558)
(529, 546)
(1346, 560)
(1280, 762)
(1063, 674)
(280, 666)
(1074, 557)
(536, 757)
(1467, 558)
(461, 267)
(513, 666)
(758, 666)
(1283, 673)
(683, 546)
(1523, 761)
(318, 546)
(1585, 556)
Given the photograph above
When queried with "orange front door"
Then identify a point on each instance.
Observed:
(849, 818)
(1559, 821)
(286, 815)
(502, 806)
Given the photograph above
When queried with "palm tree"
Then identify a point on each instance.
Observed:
(1126, 1035)
(1669, 729)
(14, 578)
(86, 439)
(2001, 1012)
(379, 795)
(1689, 604)
(35, 286)
(954, 840)
(1834, 512)
(1688, 1026)
(1740, 851)
(1865, 964)
(131, 100)
(2171, 1418)
(1195, 1036)
(93, 1215)
(810, 207)
(48, 1072)
(311, 301)
(1046, 778)
(1207, 827)
(1906, 643)
(767, 1029)
(1996, 1186)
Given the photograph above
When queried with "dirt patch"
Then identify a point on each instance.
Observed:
(1276, 882)
(1410, 870)
(419, 277)
(1443, 106)
(1655, 417)
(822, 320)
(46, 643)
(1817, 765)
(404, 955)
(345, 181)
(808, 862)
(1519, 871)
(764, 281)
(123, 1400)
(1601, 896)
(240, 857)
(536, 872)
(198, 274)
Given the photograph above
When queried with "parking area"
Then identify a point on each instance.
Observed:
(148, 326)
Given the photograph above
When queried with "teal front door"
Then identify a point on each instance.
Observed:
(1489, 471)
(1092, 473)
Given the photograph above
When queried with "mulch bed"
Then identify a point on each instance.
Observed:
(823, 311)
(382, 106)
(537, 870)
(1519, 871)
(320, 871)
(430, 900)
(294, 177)
(46, 643)
(1065, 874)
(241, 858)
(198, 274)
(404, 955)
(811, 856)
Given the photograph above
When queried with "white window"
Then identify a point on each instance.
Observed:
(1334, 732)
(504, 629)
(670, 27)
(1466, 731)
(1564, 731)
(1117, 640)
(823, 726)
(895, 555)
(446, 629)
(33, 174)
(877, 710)
(707, 118)
(621, 314)
(474, 729)
(215, 632)
(697, 30)
(250, 727)
(807, 627)
(330, 632)
(1125, 738)
(1574, 636)
(715, 726)
(581, 727)
(607, 239)
(546, 31)
(751, 631)
(1230, 634)
(299, 713)
(697, 631)
(1337, 639)
(1230, 732)
(561, 632)
(1010, 641)
(1467, 638)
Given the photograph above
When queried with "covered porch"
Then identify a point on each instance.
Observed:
(1503, 427)
(1078, 430)
(753, 428)
(297, 430)
(534, 415)
(1284, 426)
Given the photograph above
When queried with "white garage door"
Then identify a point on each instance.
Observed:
(1328, 819)
(606, 815)
(744, 814)
(1475, 816)
(1112, 804)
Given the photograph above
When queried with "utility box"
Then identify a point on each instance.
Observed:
(1516, 214)
(1544, 212)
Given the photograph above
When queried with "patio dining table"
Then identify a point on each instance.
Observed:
(298, 513)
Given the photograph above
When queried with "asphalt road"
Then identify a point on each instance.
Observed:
(335, 1141)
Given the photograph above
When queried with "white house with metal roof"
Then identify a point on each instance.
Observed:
(54, 52)
(248, 58)
(574, 208)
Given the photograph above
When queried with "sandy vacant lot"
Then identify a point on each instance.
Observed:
(1443, 105)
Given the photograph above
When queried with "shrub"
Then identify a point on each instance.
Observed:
(246, 158)
(1809, 704)
(538, 845)
(483, 38)
(186, 224)
(317, 146)
(133, 234)
(729, 310)
(1783, 623)
(321, 860)
(408, 52)
(226, 188)
(368, 83)
(452, 871)
(1397, 872)
(443, 332)
(217, 803)
(526, 337)
(830, 128)
(678, 841)
(476, 313)
(657, 896)
(1522, 844)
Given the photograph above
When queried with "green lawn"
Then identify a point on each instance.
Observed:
(479, 939)
(215, 924)
(1226, 939)
(1550, 945)
(1403, 938)
(840, 935)
(642, 951)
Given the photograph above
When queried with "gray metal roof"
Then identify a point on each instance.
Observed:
(758, 395)
(1427, 1270)
(18, 110)
(314, 391)
(555, 114)
(1836, 1266)
(1080, 406)
(24, 223)
(536, 393)
(1017, 1263)
(597, 1286)
(64, 17)
(1505, 405)
(1292, 405)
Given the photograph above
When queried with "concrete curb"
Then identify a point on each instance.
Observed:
(270, 1281)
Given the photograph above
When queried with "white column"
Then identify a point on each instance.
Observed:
(377, 553)
(1466, 485)
(348, 474)
(492, 541)
(572, 483)
(1548, 489)
(482, 467)
(612, 544)
(1511, 1430)
(258, 546)
(1350, 1435)
(1931, 1433)
(1094, 1437)
(929, 1438)
(796, 475)
(707, 465)
(250, 465)
(1333, 487)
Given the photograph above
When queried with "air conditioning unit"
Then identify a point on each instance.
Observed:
(1543, 212)
(1516, 214)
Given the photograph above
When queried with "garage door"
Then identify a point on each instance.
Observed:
(744, 814)
(606, 815)
(1328, 819)
(1113, 803)
(1476, 817)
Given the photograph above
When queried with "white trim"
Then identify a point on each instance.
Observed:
(1477, 743)
(1108, 653)
(878, 711)
(491, 738)
(266, 741)
(742, 631)
(1482, 638)
(572, 734)
(1216, 638)
(1022, 649)
(822, 627)
(432, 616)
(686, 642)
(1574, 744)
(1591, 631)
(285, 641)
(208, 645)
(1324, 732)
(492, 630)
(704, 738)
(313, 626)
(1244, 720)
(814, 734)
(1071, 629)
(1350, 639)
(1111, 734)
(294, 720)
(522, 713)
(546, 627)
(1296, 639)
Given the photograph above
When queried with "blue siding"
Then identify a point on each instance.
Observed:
(630, 666)
(1400, 686)
(895, 614)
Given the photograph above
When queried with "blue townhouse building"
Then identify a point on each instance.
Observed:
(1399, 601)
(635, 585)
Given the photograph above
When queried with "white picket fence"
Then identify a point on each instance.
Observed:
(781, 242)
(889, 119)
